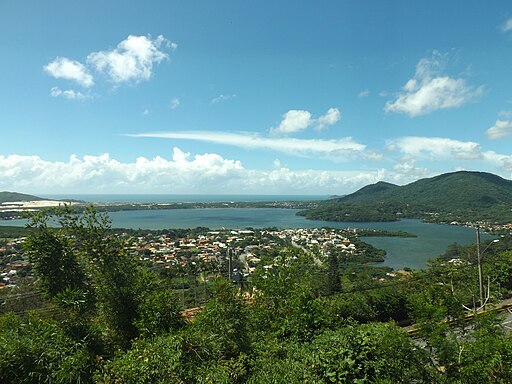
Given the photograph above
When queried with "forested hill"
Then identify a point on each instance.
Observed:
(7, 197)
(453, 196)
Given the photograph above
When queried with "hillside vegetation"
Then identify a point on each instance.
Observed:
(457, 196)
(7, 197)
(97, 313)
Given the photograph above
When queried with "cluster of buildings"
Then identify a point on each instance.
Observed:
(212, 249)
(13, 264)
(206, 250)
(321, 238)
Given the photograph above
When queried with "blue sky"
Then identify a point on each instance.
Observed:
(288, 97)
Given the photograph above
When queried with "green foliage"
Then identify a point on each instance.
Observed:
(159, 360)
(333, 274)
(224, 320)
(38, 351)
(159, 313)
(52, 257)
(306, 318)
(366, 353)
(452, 196)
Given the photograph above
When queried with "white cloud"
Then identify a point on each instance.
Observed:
(294, 121)
(174, 103)
(436, 148)
(102, 173)
(67, 94)
(500, 129)
(298, 120)
(337, 150)
(63, 68)
(187, 173)
(183, 173)
(332, 116)
(146, 111)
(221, 98)
(132, 60)
(364, 93)
(506, 113)
(507, 26)
(429, 90)
(502, 161)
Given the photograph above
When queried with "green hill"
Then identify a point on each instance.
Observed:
(457, 196)
(7, 197)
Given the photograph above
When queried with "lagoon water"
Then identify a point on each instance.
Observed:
(432, 239)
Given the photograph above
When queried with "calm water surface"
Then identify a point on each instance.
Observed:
(432, 239)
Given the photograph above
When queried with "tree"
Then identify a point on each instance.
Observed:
(51, 254)
(81, 258)
(333, 274)
(35, 350)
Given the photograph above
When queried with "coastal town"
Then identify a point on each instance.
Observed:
(204, 249)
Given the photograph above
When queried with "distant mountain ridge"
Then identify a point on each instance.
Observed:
(8, 197)
(462, 195)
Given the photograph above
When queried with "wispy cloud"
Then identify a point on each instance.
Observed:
(506, 113)
(364, 93)
(298, 120)
(507, 25)
(430, 90)
(174, 103)
(341, 149)
(68, 94)
(222, 98)
(63, 68)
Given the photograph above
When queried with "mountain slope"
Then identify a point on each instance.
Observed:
(7, 197)
(457, 196)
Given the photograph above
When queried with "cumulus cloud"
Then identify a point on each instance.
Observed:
(298, 120)
(63, 68)
(337, 150)
(500, 130)
(182, 173)
(132, 60)
(221, 98)
(294, 121)
(502, 161)
(430, 90)
(67, 94)
(102, 173)
(332, 116)
(436, 148)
